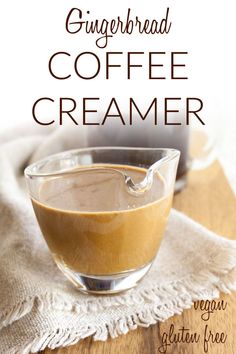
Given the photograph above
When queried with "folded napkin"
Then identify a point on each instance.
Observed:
(39, 308)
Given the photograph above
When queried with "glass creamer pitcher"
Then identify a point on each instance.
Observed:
(103, 212)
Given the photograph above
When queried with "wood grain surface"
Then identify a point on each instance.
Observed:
(209, 200)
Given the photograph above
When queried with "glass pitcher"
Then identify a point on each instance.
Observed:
(103, 212)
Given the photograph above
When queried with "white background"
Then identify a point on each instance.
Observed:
(31, 31)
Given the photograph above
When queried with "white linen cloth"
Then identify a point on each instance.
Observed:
(40, 308)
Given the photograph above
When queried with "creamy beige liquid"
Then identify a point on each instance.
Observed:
(93, 225)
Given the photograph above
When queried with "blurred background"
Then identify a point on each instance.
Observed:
(33, 31)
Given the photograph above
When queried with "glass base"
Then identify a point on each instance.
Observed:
(105, 284)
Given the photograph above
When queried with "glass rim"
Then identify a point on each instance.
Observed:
(29, 171)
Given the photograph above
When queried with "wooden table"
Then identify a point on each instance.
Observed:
(209, 200)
